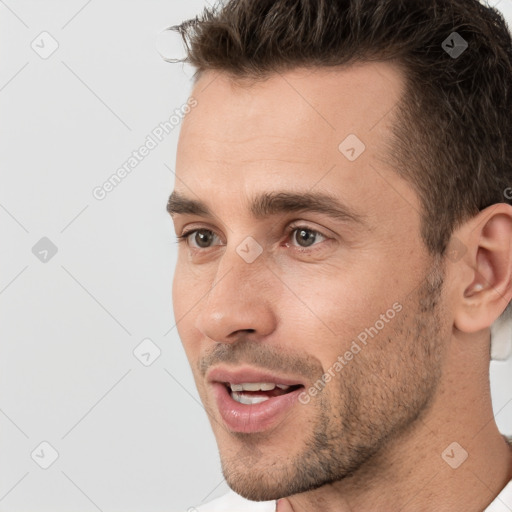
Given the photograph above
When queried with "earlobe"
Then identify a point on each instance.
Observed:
(484, 277)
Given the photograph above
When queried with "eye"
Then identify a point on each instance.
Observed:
(202, 236)
(305, 237)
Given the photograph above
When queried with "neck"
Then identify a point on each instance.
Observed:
(421, 469)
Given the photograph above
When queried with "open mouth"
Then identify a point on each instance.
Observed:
(251, 400)
(251, 393)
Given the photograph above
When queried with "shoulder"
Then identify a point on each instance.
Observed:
(232, 502)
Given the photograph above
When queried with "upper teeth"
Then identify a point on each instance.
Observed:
(257, 386)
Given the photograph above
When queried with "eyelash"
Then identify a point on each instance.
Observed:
(183, 237)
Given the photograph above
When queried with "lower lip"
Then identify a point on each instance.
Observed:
(255, 417)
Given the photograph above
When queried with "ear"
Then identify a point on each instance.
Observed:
(483, 275)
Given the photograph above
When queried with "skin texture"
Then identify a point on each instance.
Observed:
(372, 439)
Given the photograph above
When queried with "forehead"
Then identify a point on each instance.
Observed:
(334, 99)
(291, 130)
(297, 115)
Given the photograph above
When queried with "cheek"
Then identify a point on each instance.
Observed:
(186, 303)
(335, 308)
(180, 293)
(190, 284)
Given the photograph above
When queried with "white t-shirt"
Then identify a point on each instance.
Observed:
(233, 502)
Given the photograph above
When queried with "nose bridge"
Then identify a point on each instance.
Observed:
(237, 297)
(241, 268)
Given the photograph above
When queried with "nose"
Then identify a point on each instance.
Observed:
(239, 300)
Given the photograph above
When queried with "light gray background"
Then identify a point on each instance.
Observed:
(129, 437)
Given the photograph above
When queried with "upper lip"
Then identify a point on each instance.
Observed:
(245, 374)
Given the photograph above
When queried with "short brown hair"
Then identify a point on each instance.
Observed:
(452, 138)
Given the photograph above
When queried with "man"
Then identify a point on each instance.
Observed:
(345, 246)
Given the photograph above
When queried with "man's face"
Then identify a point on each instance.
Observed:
(335, 314)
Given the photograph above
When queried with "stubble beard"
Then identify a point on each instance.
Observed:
(375, 399)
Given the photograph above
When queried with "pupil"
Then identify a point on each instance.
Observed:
(201, 234)
(311, 238)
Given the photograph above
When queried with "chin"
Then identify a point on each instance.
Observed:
(266, 481)
(254, 486)
(254, 475)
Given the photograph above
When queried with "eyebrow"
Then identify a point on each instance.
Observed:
(273, 203)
